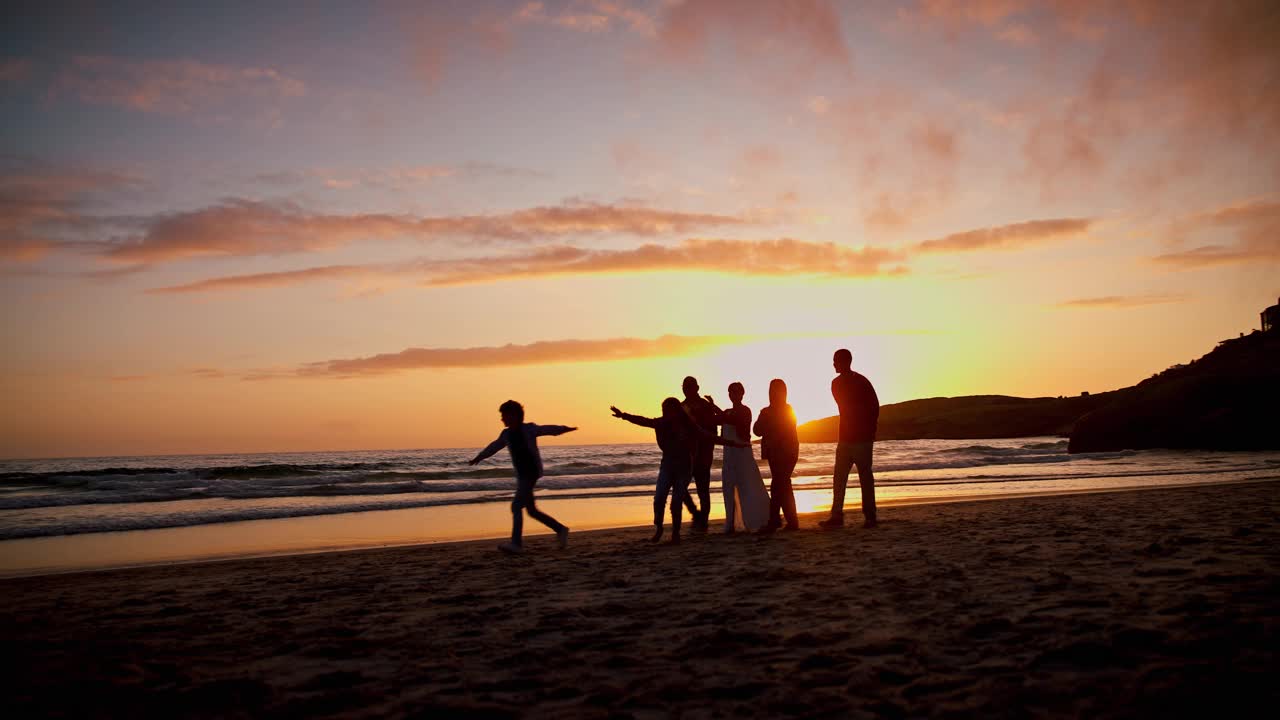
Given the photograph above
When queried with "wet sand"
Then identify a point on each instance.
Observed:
(1155, 602)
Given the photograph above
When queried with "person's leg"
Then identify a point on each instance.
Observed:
(679, 491)
(788, 499)
(728, 489)
(775, 504)
(702, 481)
(862, 458)
(660, 498)
(540, 516)
(776, 477)
(517, 517)
(688, 504)
(840, 480)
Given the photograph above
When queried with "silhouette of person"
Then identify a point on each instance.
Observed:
(678, 437)
(859, 413)
(708, 418)
(521, 440)
(780, 445)
(740, 481)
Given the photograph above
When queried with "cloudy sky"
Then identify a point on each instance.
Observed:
(300, 226)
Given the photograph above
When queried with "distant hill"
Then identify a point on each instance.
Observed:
(971, 417)
(1228, 399)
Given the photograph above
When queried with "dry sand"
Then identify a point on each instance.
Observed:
(1157, 602)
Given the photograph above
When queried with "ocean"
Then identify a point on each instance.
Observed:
(40, 498)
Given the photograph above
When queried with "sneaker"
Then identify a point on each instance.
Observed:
(791, 528)
(511, 548)
(832, 523)
(868, 524)
(562, 538)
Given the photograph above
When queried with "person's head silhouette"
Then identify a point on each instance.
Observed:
(512, 413)
(777, 392)
(736, 391)
(671, 408)
(690, 387)
(843, 361)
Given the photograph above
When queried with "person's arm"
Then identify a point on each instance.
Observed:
(716, 439)
(762, 426)
(541, 430)
(493, 447)
(635, 419)
(718, 416)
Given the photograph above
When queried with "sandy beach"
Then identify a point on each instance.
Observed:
(1144, 603)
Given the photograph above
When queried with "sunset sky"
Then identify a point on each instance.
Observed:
(309, 226)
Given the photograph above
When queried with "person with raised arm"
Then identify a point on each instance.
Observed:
(521, 441)
(704, 413)
(677, 434)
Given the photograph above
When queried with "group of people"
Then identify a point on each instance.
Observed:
(687, 433)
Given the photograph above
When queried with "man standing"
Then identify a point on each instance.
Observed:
(859, 413)
(705, 415)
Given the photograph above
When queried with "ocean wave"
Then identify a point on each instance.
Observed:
(74, 525)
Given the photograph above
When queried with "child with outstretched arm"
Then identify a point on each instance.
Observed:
(521, 441)
(676, 433)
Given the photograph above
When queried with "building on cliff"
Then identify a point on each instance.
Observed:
(1271, 318)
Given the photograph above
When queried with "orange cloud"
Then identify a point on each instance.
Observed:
(1255, 225)
(266, 280)
(939, 141)
(245, 227)
(739, 257)
(785, 256)
(760, 160)
(539, 353)
(794, 38)
(174, 87)
(956, 16)
(14, 70)
(591, 16)
(981, 12)
(1007, 237)
(1174, 74)
(1121, 301)
(41, 207)
(436, 40)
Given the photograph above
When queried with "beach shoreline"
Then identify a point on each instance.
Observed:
(98, 552)
(1119, 605)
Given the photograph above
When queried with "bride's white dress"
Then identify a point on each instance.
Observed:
(743, 487)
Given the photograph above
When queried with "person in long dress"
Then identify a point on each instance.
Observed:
(780, 445)
(744, 494)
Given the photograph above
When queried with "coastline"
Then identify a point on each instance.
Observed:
(429, 526)
(1139, 603)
